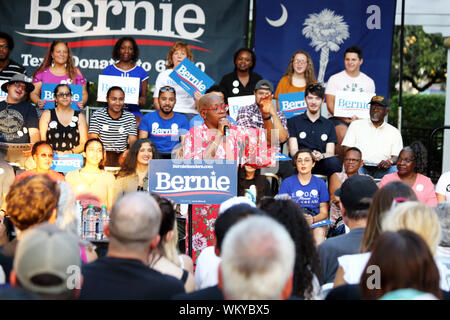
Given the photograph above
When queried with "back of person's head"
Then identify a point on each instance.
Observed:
(354, 49)
(230, 217)
(135, 220)
(32, 200)
(47, 262)
(218, 88)
(443, 212)
(290, 215)
(382, 202)
(401, 260)
(417, 217)
(257, 260)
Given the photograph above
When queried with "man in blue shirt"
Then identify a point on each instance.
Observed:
(311, 130)
(164, 127)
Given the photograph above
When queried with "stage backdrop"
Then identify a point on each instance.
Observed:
(213, 29)
(325, 29)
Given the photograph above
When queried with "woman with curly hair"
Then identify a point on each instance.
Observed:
(126, 53)
(411, 163)
(307, 267)
(133, 175)
(57, 67)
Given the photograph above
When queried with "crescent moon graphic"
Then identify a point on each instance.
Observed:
(282, 20)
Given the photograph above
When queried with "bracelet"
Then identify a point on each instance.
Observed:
(314, 220)
(268, 118)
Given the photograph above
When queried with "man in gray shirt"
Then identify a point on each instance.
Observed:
(355, 197)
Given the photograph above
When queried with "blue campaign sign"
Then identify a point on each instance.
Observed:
(48, 96)
(325, 29)
(292, 104)
(192, 182)
(191, 78)
(67, 162)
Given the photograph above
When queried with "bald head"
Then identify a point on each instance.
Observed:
(208, 100)
(135, 218)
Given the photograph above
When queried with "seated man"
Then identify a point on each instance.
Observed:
(115, 127)
(312, 131)
(164, 127)
(123, 273)
(379, 142)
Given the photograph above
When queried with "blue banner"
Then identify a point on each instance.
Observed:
(292, 104)
(191, 78)
(193, 183)
(67, 162)
(325, 29)
(48, 96)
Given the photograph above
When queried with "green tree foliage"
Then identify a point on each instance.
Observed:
(424, 60)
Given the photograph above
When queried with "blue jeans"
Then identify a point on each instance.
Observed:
(376, 172)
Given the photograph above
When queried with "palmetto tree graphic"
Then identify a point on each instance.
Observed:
(326, 31)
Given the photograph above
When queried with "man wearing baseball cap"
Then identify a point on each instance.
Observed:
(355, 197)
(379, 142)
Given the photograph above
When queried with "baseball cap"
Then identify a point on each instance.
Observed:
(379, 100)
(19, 78)
(264, 84)
(354, 189)
(46, 250)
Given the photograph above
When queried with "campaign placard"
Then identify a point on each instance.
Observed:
(292, 104)
(207, 182)
(349, 103)
(189, 77)
(67, 162)
(237, 103)
(3, 94)
(47, 94)
(130, 86)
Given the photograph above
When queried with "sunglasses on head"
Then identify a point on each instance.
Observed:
(315, 86)
(165, 89)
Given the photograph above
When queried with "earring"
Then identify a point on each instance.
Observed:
(65, 65)
(53, 63)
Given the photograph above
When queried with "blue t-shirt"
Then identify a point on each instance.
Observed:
(308, 196)
(198, 121)
(165, 134)
(136, 72)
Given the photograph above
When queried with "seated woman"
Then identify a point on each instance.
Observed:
(308, 191)
(42, 154)
(248, 177)
(62, 127)
(133, 175)
(92, 179)
(166, 258)
(410, 162)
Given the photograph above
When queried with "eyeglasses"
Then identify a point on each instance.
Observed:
(20, 85)
(165, 89)
(296, 61)
(352, 160)
(64, 94)
(407, 160)
(217, 109)
(46, 155)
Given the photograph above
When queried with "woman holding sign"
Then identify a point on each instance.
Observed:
(185, 102)
(57, 67)
(126, 52)
(62, 127)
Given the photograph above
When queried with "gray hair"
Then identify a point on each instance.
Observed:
(135, 220)
(443, 212)
(257, 259)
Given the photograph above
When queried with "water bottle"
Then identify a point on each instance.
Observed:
(103, 219)
(90, 222)
(80, 219)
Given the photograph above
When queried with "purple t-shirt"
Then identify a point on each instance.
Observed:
(47, 77)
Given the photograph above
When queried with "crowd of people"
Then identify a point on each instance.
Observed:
(350, 199)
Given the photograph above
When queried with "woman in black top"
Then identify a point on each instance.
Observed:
(250, 180)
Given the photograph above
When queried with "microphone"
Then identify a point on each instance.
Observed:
(225, 130)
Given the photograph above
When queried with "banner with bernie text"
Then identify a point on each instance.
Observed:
(213, 29)
(325, 29)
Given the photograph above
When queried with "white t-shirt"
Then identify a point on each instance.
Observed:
(206, 271)
(354, 264)
(376, 144)
(185, 102)
(343, 82)
(443, 185)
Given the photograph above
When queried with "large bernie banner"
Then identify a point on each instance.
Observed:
(325, 29)
(213, 29)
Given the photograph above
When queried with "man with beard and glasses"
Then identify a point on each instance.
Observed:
(8, 67)
(379, 142)
(164, 127)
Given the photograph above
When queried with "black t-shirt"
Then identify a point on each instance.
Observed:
(234, 87)
(126, 279)
(15, 121)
